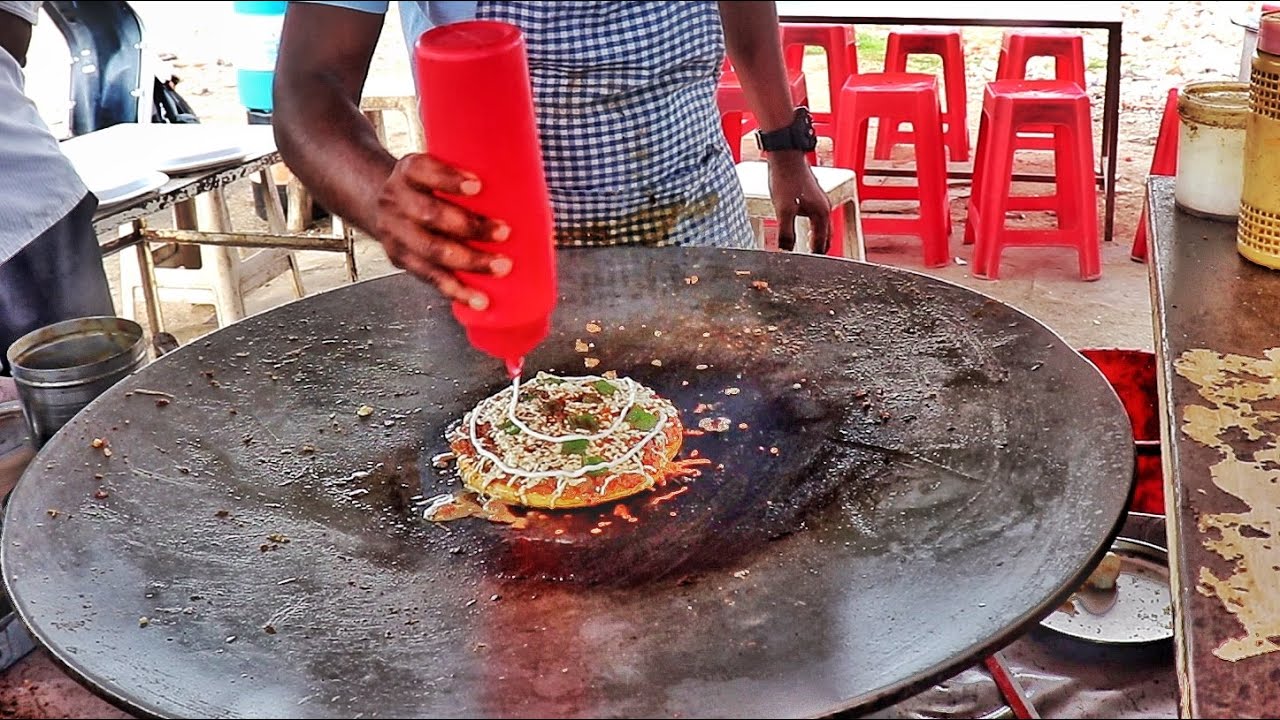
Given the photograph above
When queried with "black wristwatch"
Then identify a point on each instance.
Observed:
(799, 135)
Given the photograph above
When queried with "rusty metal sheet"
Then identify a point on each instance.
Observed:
(1220, 369)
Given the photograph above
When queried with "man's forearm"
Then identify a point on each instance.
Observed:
(754, 47)
(324, 58)
(332, 149)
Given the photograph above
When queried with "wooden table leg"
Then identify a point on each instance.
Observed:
(212, 216)
(276, 222)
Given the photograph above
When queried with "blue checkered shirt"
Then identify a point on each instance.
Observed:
(625, 99)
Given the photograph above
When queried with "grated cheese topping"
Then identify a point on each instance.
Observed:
(572, 429)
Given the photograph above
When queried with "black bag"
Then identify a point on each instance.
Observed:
(167, 106)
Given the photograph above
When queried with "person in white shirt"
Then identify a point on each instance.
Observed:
(50, 264)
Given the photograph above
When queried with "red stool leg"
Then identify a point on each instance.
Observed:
(731, 124)
(1068, 56)
(1084, 192)
(1164, 161)
(994, 193)
(981, 150)
(842, 63)
(931, 179)
(956, 119)
(890, 135)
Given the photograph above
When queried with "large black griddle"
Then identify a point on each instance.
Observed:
(946, 472)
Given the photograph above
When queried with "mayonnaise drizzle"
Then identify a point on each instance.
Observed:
(617, 422)
(632, 386)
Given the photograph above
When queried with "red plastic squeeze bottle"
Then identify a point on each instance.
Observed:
(476, 102)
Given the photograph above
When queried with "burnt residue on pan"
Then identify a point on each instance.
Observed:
(907, 474)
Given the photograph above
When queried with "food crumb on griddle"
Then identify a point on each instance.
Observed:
(580, 346)
(144, 621)
(101, 495)
(742, 574)
(594, 327)
(715, 424)
(590, 362)
(364, 411)
(269, 629)
(222, 513)
(655, 362)
(741, 272)
(760, 284)
(691, 280)
(731, 391)
(278, 538)
(701, 366)
(53, 513)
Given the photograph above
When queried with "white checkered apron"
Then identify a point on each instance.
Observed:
(631, 138)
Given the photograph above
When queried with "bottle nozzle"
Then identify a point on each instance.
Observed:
(515, 366)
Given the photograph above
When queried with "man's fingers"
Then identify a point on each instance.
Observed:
(819, 230)
(440, 216)
(427, 174)
(787, 227)
(446, 282)
(455, 256)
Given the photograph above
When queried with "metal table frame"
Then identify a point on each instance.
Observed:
(123, 225)
(970, 14)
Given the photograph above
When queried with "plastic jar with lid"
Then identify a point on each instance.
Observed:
(1211, 136)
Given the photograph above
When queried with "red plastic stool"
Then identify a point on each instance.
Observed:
(947, 44)
(1008, 107)
(898, 98)
(1017, 47)
(735, 115)
(840, 44)
(1164, 161)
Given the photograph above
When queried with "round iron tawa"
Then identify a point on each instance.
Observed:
(914, 475)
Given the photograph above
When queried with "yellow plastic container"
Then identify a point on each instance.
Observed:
(1258, 229)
